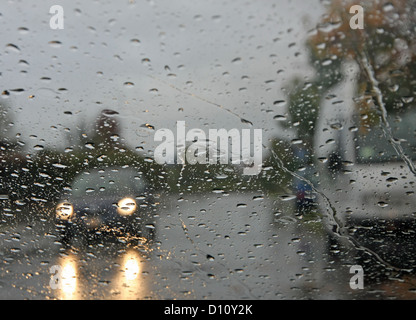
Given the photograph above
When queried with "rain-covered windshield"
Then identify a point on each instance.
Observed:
(108, 181)
(255, 150)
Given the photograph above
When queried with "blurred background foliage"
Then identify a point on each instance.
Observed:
(387, 42)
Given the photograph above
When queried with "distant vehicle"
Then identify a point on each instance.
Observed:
(105, 202)
(366, 182)
(305, 195)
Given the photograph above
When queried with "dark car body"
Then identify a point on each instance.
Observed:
(108, 201)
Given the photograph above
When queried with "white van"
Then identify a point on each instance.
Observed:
(363, 180)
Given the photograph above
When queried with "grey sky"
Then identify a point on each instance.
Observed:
(190, 45)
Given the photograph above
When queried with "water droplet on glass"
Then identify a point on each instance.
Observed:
(388, 7)
(55, 43)
(109, 112)
(128, 84)
(13, 47)
(279, 117)
(210, 258)
(382, 204)
(89, 145)
(23, 30)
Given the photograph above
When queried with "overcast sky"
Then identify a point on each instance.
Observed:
(182, 58)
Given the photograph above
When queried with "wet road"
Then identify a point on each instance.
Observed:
(206, 247)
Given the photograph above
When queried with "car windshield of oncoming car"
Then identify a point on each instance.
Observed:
(107, 182)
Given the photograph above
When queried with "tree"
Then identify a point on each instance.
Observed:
(384, 49)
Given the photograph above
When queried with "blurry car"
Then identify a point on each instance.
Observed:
(108, 201)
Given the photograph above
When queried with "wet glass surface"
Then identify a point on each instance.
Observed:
(195, 150)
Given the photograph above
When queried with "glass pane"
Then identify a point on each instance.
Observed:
(207, 150)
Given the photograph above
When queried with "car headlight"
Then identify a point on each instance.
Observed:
(64, 210)
(126, 206)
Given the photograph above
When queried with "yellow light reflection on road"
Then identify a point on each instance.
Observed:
(68, 278)
(129, 282)
(131, 267)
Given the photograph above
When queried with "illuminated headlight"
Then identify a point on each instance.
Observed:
(126, 206)
(64, 210)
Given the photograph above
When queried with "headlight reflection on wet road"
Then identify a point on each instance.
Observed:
(129, 281)
(124, 282)
(67, 289)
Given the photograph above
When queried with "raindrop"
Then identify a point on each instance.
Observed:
(17, 91)
(146, 61)
(89, 145)
(210, 258)
(13, 47)
(135, 41)
(109, 112)
(147, 125)
(246, 121)
(388, 7)
(55, 43)
(216, 18)
(336, 126)
(279, 103)
(394, 88)
(407, 99)
(59, 165)
(330, 26)
(279, 117)
(23, 30)
(128, 84)
(326, 62)
(287, 197)
(382, 204)
(330, 141)
(23, 63)
(296, 141)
